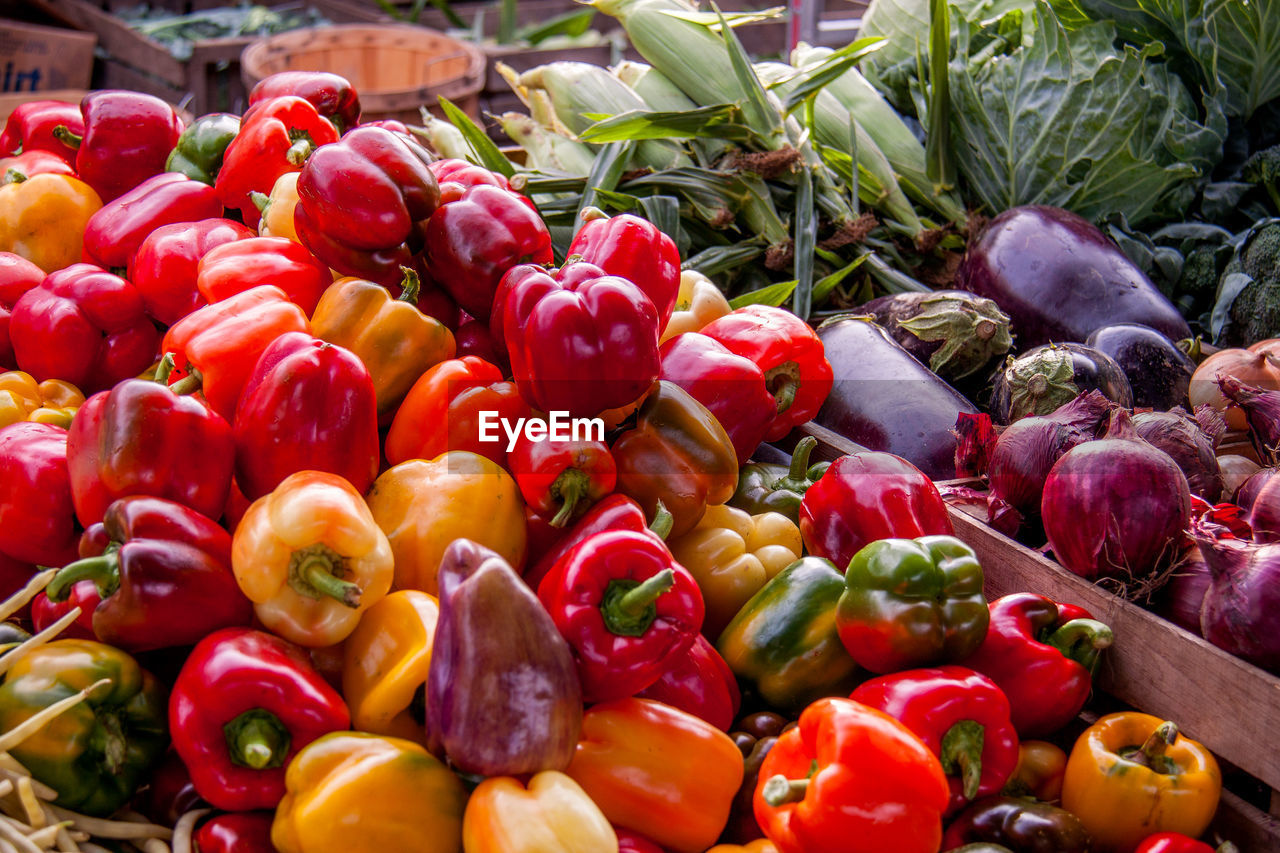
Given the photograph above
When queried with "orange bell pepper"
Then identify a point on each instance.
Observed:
(553, 815)
(43, 219)
(311, 558)
(659, 771)
(385, 663)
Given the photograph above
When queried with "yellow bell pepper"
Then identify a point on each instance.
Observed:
(277, 208)
(423, 506)
(385, 663)
(553, 815)
(732, 554)
(50, 402)
(1131, 775)
(43, 219)
(395, 340)
(311, 558)
(351, 792)
(698, 303)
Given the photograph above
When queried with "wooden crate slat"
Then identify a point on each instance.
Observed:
(1249, 828)
(117, 38)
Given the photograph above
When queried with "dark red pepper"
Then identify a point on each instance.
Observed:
(163, 270)
(83, 595)
(37, 518)
(243, 705)
(626, 608)
(308, 406)
(164, 576)
(635, 249)
(17, 276)
(127, 138)
(146, 438)
(455, 177)
(85, 326)
(333, 96)
(28, 164)
(631, 842)
(562, 478)
(170, 793)
(699, 682)
(114, 233)
(236, 832)
(30, 127)
(1042, 655)
(615, 512)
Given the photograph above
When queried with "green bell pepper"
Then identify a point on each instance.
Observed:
(909, 603)
(766, 487)
(96, 754)
(784, 638)
(200, 148)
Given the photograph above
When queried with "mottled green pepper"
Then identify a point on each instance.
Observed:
(764, 487)
(200, 148)
(96, 754)
(784, 638)
(909, 603)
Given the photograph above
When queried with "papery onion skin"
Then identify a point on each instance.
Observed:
(1247, 494)
(1188, 444)
(1258, 369)
(1261, 409)
(1264, 511)
(1241, 609)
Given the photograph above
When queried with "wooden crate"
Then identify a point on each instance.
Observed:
(1230, 706)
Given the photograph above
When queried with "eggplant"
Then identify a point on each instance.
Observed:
(1060, 278)
(885, 399)
(956, 333)
(1043, 379)
(1158, 372)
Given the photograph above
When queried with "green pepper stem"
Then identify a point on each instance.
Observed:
(662, 522)
(779, 790)
(410, 286)
(13, 176)
(64, 135)
(189, 384)
(570, 487)
(260, 200)
(962, 753)
(317, 570)
(299, 151)
(783, 381)
(164, 369)
(257, 739)
(103, 570)
(1152, 752)
(629, 607)
(1082, 640)
(797, 475)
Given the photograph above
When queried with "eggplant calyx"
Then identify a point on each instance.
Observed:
(973, 332)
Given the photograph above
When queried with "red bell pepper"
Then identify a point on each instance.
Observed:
(236, 267)
(14, 576)
(163, 572)
(220, 343)
(30, 127)
(580, 341)
(276, 136)
(562, 477)
(114, 233)
(127, 138)
(961, 715)
(615, 512)
(308, 406)
(631, 842)
(853, 779)
(243, 705)
(542, 536)
(1176, 842)
(475, 338)
(796, 370)
(83, 595)
(455, 177)
(626, 608)
(363, 203)
(37, 518)
(17, 276)
(699, 682)
(868, 496)
(473, 241)
(730, 386)
(170, 793)
(143, 438)
(333, 96)
(85, 326)
(1042, 655)
(163, 270)
(28, 164)
(442, 412)
(237, 832)
(635, 249)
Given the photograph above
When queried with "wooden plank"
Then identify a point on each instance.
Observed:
(117, 39)
(1249, 828)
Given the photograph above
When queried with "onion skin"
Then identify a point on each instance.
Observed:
(1241, 609)
(1264, 510)
(1261, 412)
(1257, 369)
(1247, 494)
(1158, 372)
(1181, 436)
(1059, 278)
(1115, 507)
(1180, 600)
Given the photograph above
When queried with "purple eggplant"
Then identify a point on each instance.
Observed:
(956, 333)
(885, 399)
(1043, 379)
(1158, 372)
(1060, 278)
(503, 696)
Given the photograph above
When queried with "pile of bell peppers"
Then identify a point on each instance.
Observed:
(248, 367)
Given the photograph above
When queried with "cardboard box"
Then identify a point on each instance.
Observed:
(40, 59)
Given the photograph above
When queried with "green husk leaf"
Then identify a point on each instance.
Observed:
(825, 285)
(609, 167)
(809, 82)
(939, 160)
(773, 295)
(713, 22)
(719, 259)
(806, 237)
(485, 151)
(721, 121)
(573, 24)
(759, 112)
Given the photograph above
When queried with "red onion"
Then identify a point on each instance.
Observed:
(1026, 450)
(1179, 600)
(1116, 507)
(1237, 471)
(1261, 411)
(1240, 607)
(1189, 444)
(1264, 510)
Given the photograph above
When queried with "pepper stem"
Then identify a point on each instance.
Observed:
(962, 754)
(317, 570)
(783, 381)
(260, 200)
(629, 607)
(570, 487)
(257, 739)
(410, 286)
(64, 135)
(189, 384)
(779, 790)
(299, 151)
(797, 479)
(103, 570)
(1152, 753)
(164, 368)
(13, 176)
(662, 522)
(1082, 640)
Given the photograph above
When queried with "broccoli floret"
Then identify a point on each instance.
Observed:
(1248, 299)
(1263, 168)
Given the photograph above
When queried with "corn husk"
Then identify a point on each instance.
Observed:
(546, 150)
(661, 95)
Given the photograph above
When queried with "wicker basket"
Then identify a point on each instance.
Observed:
(396, 68)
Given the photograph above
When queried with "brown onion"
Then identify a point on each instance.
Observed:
(1257, 369)
(1271, 346)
